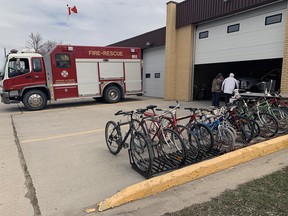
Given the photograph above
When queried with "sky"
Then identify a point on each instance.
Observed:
(97, 23)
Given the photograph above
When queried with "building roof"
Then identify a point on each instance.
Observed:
(194, 12)
(150, 39)
(197, 11)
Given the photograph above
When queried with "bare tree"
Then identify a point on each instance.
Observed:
(48, 46)
(35, 42)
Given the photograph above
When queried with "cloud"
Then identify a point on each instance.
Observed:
(98, 22)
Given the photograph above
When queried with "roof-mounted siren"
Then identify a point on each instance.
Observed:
(13, 51)
(28, 51)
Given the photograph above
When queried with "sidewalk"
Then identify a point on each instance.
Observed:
(201, 190)
(12, 182)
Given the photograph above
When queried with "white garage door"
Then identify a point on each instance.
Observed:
(153, 71)
(253, 35)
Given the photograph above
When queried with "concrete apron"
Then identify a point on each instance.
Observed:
(181, 176)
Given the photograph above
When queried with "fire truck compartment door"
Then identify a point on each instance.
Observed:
(111, 70)
(87, 77)
(133, 76)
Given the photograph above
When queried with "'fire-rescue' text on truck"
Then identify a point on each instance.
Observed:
(71, 72)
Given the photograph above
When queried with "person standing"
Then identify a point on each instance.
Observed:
(216, 89)
(228, 86)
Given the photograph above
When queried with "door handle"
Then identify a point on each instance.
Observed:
(28, 77)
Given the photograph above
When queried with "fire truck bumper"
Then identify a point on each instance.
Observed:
(5, 98)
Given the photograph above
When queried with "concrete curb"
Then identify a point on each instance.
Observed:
(178, 177)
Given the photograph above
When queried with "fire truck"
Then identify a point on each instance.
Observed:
(71, 72)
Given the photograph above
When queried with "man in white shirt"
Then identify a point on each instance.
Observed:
(228, 86)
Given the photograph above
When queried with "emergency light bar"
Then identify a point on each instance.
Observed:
(28, 51)
(68, 48)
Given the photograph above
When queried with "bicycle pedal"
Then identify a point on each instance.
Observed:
(125, 145)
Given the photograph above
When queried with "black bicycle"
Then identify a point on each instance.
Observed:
(140, 147)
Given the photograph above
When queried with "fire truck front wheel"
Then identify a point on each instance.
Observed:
(112, 94)
(34, 100)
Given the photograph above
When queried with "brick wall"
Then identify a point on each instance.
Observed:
(184, 63)
(170, 53)
(284, 77)
(178, 58)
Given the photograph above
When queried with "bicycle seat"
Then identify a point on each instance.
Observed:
(173, 107)
(151, 107)
(191, 109)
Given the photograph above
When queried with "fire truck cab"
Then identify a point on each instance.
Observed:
(71, 72)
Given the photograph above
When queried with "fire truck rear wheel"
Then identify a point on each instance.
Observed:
(112, 94)
(34, 100)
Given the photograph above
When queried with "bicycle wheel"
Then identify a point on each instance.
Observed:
(113, 137)
(173, 146)
(268, 125)
(141, 152)
(204, 135)
(256, 128)
(282, 119)
(244, 127)
(226, 136)
(190, 141)
(232, 130)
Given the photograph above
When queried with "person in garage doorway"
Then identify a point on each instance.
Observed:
(216, 90)
(228, 86)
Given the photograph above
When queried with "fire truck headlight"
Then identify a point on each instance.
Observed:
(14, 93)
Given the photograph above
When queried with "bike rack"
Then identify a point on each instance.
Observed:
(163, 164)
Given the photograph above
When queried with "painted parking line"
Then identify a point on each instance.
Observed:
(67, 135)
(62, 136)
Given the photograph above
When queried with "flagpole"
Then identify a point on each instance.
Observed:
(68, 12)
(68, 25)
(71, 10)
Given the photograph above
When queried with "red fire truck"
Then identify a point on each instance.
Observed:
(71, 72)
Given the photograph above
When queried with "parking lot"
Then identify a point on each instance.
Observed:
(67, 166)
(65, 152)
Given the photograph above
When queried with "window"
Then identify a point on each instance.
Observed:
(18, 66)
(63, 61)
(233, 28)
(273, 19)
(37, 65)
(157, 75)
(203, 34)
(148, 75)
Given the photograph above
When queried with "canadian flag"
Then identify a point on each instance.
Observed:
(72, 10)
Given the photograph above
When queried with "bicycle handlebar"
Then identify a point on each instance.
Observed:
(120, 112)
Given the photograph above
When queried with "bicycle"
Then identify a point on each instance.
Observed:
(167, 143)
(280, 115)
(264, 124)
(169, 118)
(220, 127)
(202, 132)
(241, 124)
(140, 147)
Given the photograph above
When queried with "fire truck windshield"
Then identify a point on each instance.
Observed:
(2, 71)
(18, 66)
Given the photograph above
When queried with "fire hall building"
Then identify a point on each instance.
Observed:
(203, 38)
